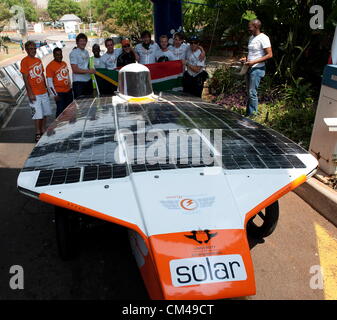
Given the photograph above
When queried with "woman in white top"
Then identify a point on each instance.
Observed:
(194, 76)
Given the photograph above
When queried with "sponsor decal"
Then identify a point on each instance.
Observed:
(188, 204)
(202, 236)
(212, 269)
(36, 72)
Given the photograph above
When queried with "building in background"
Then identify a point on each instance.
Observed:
(71, 23)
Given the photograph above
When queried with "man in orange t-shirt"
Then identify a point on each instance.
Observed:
(59, 81)
(33, 76)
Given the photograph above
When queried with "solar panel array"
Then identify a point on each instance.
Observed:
(82, 144)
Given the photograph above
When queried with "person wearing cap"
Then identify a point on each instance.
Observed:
(194, 76)
(128, 54)
(164, 54)
(147, 49)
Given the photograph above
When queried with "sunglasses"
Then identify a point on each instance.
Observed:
(193, 42)
(127, 46)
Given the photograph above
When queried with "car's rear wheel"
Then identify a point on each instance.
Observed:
(264, 223)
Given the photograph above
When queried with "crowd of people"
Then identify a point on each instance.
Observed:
(84, 81)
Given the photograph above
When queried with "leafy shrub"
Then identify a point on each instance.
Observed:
(224, 80)
(298, 94)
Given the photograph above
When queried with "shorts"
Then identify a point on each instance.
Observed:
(40, 107)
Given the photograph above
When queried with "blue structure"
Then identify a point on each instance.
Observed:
(167, 17)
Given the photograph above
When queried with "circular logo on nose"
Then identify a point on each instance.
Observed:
(188, 204)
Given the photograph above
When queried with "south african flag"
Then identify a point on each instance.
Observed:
(165, 76)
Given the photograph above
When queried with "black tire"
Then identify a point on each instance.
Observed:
(270, 217)
(67, 227)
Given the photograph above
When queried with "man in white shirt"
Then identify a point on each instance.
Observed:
(179, 48)
(109, 61)
(164, 54)
(194, 76)
(146, 50)
(79, 61)
(259, 50)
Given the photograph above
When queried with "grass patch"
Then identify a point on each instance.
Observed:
(13, 50)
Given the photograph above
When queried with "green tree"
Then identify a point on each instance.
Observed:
(30, 11)
(43, 14)
(4, 15)
(298, 50)
(57, 8)
(134, 15)
(197, 17)
(87, 11)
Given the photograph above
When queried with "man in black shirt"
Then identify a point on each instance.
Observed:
(127, 56)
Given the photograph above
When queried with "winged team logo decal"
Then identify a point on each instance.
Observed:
(201, 236)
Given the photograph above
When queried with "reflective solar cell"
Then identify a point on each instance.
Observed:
(59, 176)
(104, 172)
(73, 175)
(119, 171)
(242, 162)
(44, 178)
(270, 162)
(296, 162)
(90, 173)
(229, 163)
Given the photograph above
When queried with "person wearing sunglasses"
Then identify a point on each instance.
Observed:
(194, 76)
(33, 76)
(128, 54)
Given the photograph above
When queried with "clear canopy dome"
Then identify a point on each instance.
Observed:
(135, 80)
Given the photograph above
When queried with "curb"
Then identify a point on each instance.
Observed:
(322, 198)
